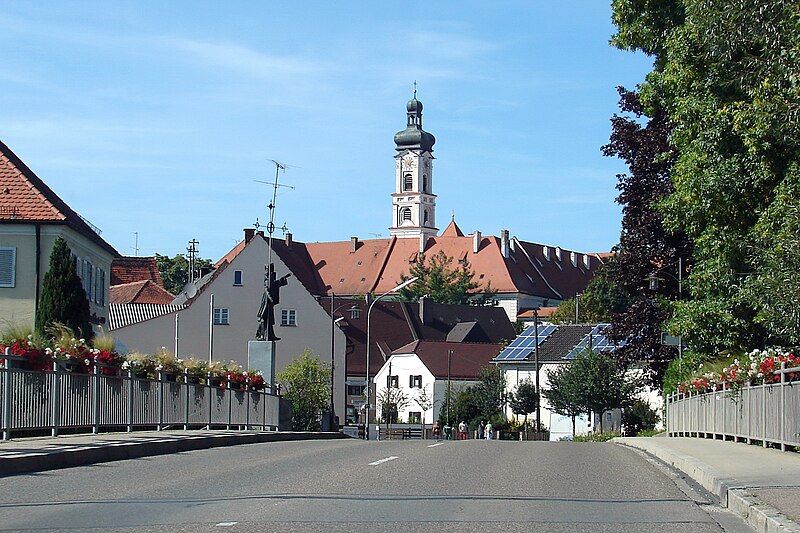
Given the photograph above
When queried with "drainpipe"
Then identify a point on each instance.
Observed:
(38, 228)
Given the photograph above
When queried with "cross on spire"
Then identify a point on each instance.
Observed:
(415, 88)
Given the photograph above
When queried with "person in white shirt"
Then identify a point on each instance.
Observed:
(489, 434)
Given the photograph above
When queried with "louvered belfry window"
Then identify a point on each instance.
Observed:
(8, 266)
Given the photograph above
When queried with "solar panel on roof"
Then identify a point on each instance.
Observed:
(600, 343)
(525, 343)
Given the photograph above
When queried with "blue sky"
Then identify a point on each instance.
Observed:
(156, 118)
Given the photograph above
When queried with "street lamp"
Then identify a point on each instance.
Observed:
(335, 321)
(653, 282)
(403, 285)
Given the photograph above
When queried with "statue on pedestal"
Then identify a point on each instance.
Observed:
(271, 297)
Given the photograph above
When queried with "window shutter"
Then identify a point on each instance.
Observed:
(8, 260)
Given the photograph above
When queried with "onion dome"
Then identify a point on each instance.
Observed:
(414, 137)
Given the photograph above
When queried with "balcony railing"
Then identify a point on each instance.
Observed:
(34, 402)
(769, 414)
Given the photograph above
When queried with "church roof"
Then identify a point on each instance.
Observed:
(25, 198)
(414, 137)
(452, 230)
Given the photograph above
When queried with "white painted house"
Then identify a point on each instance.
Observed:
(425, 366)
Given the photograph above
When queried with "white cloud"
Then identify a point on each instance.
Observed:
(448, 46)
(244, 59)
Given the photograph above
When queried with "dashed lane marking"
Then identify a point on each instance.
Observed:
(376, 463)
(227, 524)
(435, 445)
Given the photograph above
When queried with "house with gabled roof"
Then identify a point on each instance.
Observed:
(32, 217)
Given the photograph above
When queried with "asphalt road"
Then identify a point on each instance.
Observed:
(376, 486)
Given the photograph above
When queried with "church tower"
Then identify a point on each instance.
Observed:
(413, 201)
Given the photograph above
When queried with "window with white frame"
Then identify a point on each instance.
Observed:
(237, 278)
(220, 316)
(288, 317)
(415, 382)
(8, 266)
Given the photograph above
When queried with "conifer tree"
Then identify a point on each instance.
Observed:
(63, 300)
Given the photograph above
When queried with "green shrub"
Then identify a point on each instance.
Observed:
(648, 433)
(637, 417)
(596, 437)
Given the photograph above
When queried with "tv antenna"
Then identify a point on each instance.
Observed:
(191, 252)
(279, 167)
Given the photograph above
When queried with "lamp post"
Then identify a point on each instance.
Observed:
(406, 283)
(653, 280)
(335, 321)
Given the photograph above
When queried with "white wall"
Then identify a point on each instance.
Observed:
(403, 366)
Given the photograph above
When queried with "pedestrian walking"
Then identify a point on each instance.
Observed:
(488, 430)
(462, 430)
(481, 430)
(437, 431)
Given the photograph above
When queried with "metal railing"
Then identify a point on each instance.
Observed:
(769, 414)
(35, 401)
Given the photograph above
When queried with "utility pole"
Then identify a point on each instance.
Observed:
(449, 392)
(680, 296)
(191, 252)
(136, 243)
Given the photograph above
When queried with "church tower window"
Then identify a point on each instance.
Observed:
(408, 182)
(405, 215)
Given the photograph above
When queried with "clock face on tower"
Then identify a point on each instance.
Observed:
(408, 162)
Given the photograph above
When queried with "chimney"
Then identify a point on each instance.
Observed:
(248, 234)
(423, 240)
(353, 244)
(288, 239)
(476, 241)
(424, 311)
(504, 244)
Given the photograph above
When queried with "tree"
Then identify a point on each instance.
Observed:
(392, 400)
(601, 300)
(640, 137)
(306, 381)
(600, 383)
(463, 405)
(440, 281)
(175, 271)
(524, 400)
(425, 401)
(638, 416)
(489, 391)
(63, 300)
(563, 395)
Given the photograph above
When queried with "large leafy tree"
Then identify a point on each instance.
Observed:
(444, 282)
(306, 381)
(63, 300)
(726, 76)
(175, 270)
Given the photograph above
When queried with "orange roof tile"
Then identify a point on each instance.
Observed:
(24, 197)
(130, 269)
(139, 292)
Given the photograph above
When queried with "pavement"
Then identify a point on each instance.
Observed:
(47, 453)
(760, 484)
(354, 485)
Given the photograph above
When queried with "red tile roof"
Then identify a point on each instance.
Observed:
(25, 198)
(466, 362)
(129, 269)
(452, 230)
(139, 292)
(376, 265)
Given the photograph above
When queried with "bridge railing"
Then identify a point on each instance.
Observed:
(769, 413)
(35, 402)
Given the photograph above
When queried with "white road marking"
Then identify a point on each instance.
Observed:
(227, 524)
(435, 445)
(375, 463)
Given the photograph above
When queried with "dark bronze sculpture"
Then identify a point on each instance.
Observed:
(271, 297)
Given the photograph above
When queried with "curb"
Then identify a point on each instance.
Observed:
(107, 452)
(758, 515)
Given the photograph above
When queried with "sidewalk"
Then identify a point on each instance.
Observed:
(49, 453)
(761, 484)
